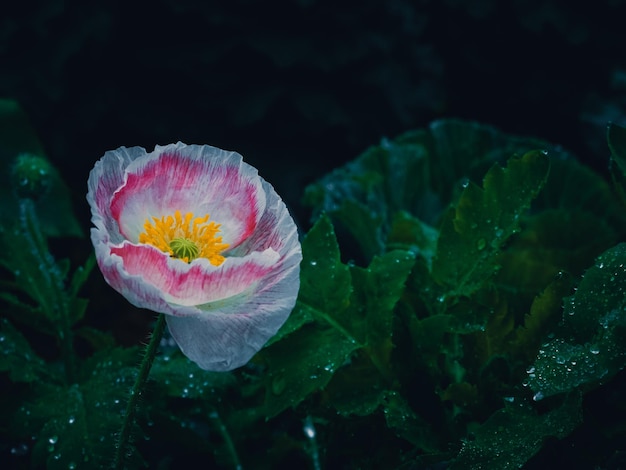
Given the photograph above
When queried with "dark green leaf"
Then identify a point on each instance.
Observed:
(407, 424)
(312, 344)
(418, 173)
(76, 426)
(325, 283)
(303, 363)
(19, 360)
(590, 343)
(178, 377)
(515, 433)
(377, 289)
(36, 273)
(473, 232)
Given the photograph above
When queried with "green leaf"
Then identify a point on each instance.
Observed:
(377, 290)
(473, 232)
(19, 360)
(512, 435)
(36, 273)
(345, 318)
(325, 283)
(312, 344)
(178, 377)
(407, 424)
(418, 173)
(544, 314)
(76, 426)
(55, 209)
(590, 343)
(411, 234)
(303, 363)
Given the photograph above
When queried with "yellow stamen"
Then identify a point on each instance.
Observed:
(185, 238)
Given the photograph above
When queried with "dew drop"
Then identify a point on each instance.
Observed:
(309, 429)
(538, 396)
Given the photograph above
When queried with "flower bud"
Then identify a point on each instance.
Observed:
(31, 176)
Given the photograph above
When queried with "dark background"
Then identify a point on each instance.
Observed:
(301, 86)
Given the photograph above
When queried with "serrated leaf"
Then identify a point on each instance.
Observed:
(36, 273)
(55, 209)
(473, 232)
(418, 173)
(544, 314)
(19, 360)
(377, 289)
(81, 275)
(512, 435)
(590, 342)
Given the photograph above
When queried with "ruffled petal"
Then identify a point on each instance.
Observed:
(108, 174)
(198, 179)
(134, 288)
(227, 338)
(199, 282)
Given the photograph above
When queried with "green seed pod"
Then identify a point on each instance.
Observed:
(31, 176)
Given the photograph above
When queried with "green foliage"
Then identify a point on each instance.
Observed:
(515, 433)
(589, 346)
(472, 234)
(486, 290)
(348, 309)
(461, 290)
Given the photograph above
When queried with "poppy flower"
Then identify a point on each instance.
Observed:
(195, 233)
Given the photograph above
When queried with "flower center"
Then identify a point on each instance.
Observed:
(185, 238)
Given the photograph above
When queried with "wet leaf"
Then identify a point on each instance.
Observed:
(20, 361)
(590, 343)
(473, 232)
(325, 283)
(176, 376)
(75, 426)
(418, 173)
(515, 433)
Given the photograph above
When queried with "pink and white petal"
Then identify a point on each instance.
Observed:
(199, 282)
(105, 178)
(191, 178)
(275, 230)
(134, 288)
(226, 339)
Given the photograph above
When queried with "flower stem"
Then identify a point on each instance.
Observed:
(135, 393)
